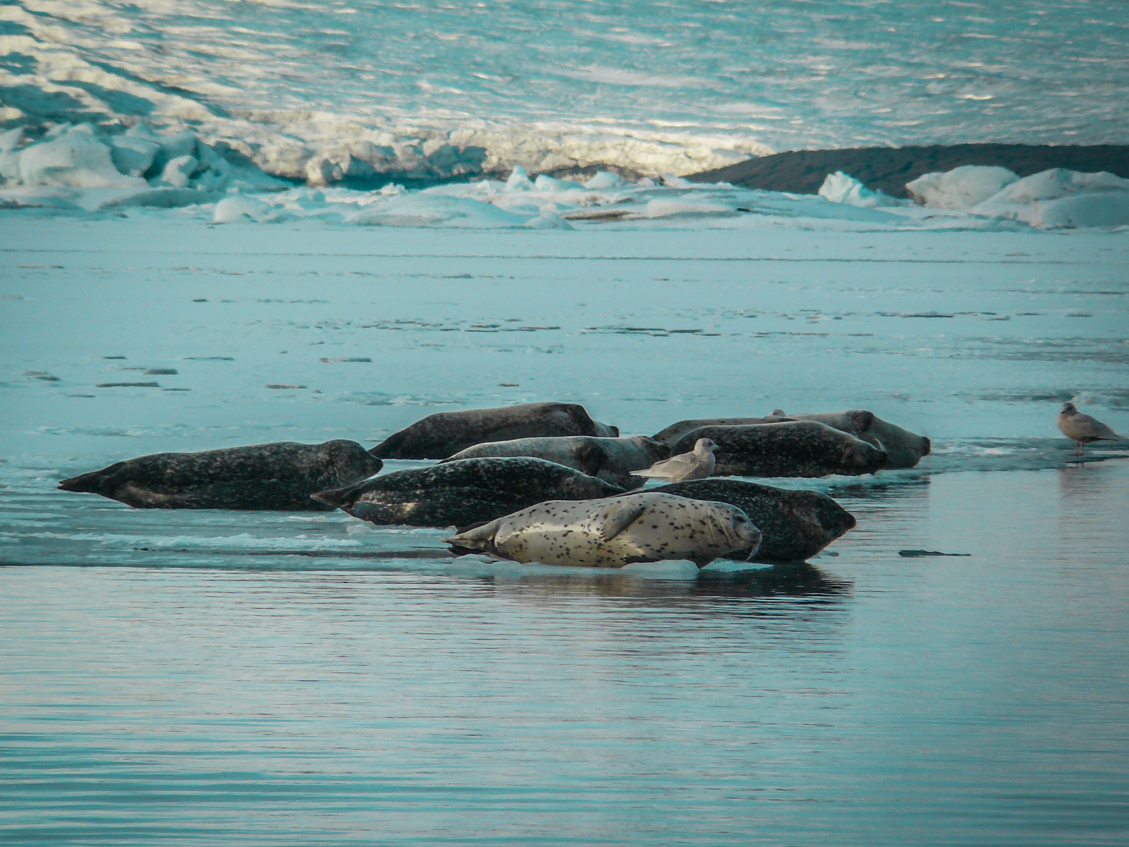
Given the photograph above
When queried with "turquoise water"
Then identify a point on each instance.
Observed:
(240, 678)
(865, 698)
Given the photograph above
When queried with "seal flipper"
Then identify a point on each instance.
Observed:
(621, 519)
(477, 539)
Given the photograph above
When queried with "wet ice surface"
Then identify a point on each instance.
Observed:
(256, 678)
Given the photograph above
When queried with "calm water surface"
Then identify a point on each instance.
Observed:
(865, 698)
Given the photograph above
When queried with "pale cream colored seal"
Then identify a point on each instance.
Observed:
(616, 531)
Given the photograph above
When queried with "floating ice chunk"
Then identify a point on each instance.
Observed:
(605, 180)
(434, 209)
(549, 220)
(179, 171)
(841, 188)
(670, 207)
(240, 207)
(1058, 183)
(519, 180)
(1086, 209)
(1093, 209)
(1062, 198)
(73, 158)
(132, 154)
(960, 188)
(548, 183)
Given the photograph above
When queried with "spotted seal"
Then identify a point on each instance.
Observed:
(903, 448)
(444, 434)
(279, 476)
(643, 527)
(609, 459)
(463, 493)
(796, 524)
(790, 448)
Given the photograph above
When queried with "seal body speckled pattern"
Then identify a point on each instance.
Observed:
(609, 459)
(904, 449)
(643, 527)
(795, 524)
(789, 449)
(463, 493)
(279, 476)
(444, 434)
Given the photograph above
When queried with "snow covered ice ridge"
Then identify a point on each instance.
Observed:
(74, 169)
(359, 89)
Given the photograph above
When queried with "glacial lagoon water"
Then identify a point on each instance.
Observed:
(232, 678)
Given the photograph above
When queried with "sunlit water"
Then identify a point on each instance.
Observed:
(240, 678)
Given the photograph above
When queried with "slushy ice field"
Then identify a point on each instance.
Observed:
(266, 678)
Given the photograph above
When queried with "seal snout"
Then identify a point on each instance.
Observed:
(881, 459)
(926, 446)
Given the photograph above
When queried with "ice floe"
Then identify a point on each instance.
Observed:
(79, 168)
(841, 188)
(1052, 198)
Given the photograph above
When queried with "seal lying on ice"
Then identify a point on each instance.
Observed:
(643, 527)
(463, 493)
(279, 476)
(791, 448)
(903, 448)
(796, 524)
(609, 459)
(444, 434)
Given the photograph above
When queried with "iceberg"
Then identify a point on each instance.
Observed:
(841, 188)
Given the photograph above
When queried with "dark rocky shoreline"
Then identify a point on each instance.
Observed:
(888, 169)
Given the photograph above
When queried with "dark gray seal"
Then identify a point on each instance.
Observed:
(609, 459)
(464, 493)
(795, 525)
(444, 434)
(903, 448)
(791, 448)
(279, 477)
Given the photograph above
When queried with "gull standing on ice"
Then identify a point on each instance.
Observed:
(697, 464)
(1083, 428)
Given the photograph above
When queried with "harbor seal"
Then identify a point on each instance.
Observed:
(463, 493)
(642, 527)
(904, 449)
(609, 459)
(796, 524)
(279, 476)
(699, 463)
(791, 448)
(444, 434)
